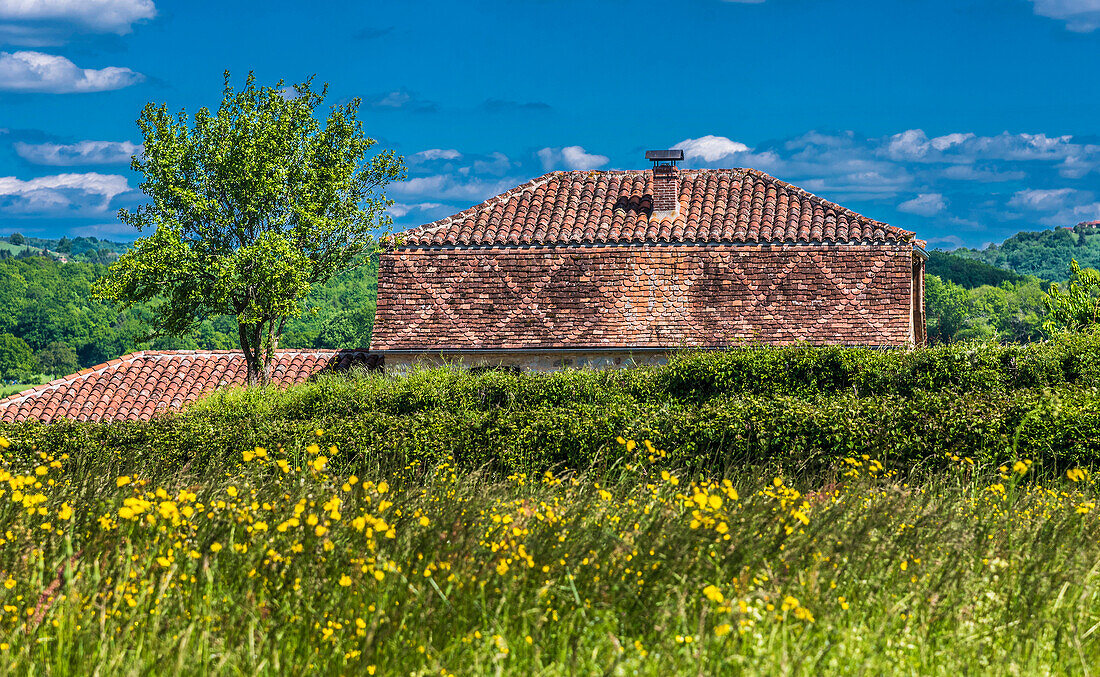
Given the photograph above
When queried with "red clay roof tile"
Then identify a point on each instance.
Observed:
(139, 385)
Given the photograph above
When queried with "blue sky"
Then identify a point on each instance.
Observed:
(965, 120)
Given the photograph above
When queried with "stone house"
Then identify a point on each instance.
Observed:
(616, 267)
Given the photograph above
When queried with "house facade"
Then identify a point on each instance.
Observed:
(619, 267)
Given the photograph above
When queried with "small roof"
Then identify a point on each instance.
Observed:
(716, 205)
(141, 385)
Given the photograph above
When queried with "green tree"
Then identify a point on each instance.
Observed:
(250, 207)
(17, 239)
(1078, 307)
(348, 330)
(945, 308)
(16, 359)
(57, 359)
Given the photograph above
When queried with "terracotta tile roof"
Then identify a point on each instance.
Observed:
(716, 205)
(140, 385)
(640, 296)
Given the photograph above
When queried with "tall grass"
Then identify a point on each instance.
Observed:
(287, 562)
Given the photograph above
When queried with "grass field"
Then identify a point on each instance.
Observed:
(279, 561)
(7, 389)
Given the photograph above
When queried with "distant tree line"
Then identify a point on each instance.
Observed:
(1045, 254)
(83, 249)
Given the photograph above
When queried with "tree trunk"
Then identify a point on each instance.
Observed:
(258, 373)
(259, 342)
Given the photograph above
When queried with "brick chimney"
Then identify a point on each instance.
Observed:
(666, 181)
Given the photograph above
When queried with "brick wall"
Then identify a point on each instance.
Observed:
(644, 296)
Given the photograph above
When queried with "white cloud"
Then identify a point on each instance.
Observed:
(37, 72)
(401, 99)
(949, 140)
(399, 209)
(109, 16)
(90, 192)
(1042, 200)
(496, 164)
(1081, 16)
(925, 204)
(570, 157)
(82, 153)
(973, 173)
(1059, 206)
(394, 100)
(575, 157)
(437, 154)
(913, 145)
(710, 148)
(450, 187)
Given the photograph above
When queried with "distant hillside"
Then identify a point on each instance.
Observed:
(1045, 254)
(968, 273)
(82, 249)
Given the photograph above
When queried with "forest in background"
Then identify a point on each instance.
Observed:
(1045, 254)
(53, 327)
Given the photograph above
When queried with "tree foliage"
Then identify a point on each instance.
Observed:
(57, 359)
(16, 359)
(1078, 306)
(1008, 312)
(250, 207)
(966, 272)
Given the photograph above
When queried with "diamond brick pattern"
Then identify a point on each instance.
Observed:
(141, 385)
(657, 296)
(715, 205)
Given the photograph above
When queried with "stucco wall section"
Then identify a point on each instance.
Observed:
(644, 296)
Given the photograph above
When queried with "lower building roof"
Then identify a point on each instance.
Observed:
(141, 385)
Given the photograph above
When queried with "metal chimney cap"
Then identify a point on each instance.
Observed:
(676, 155)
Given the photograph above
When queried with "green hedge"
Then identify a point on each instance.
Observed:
(1055, 427)
(798, 406)
(698, 377)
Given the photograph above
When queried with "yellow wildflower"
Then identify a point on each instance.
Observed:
(714, 594)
